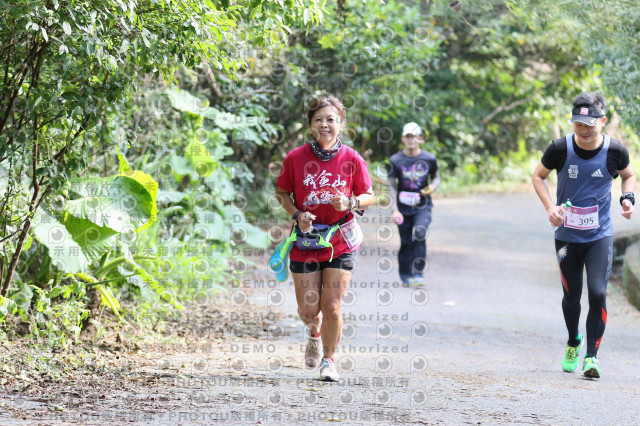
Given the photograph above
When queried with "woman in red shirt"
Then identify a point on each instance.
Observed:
(327, 180)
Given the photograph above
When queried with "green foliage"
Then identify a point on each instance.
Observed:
(72, 72)
(55, 322)
(607, 35)
(88, 233)
(8, 307)
(201, 213)
(478, 78)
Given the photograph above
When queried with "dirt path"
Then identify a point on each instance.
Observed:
(480, 344)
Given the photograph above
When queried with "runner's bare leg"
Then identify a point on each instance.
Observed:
(334, 284)
(308, 296)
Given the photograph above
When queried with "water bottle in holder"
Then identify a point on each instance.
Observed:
(566, 205)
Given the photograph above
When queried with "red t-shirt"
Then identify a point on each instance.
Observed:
(314, 182)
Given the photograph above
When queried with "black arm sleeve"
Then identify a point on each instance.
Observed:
(617, 157)
(555, 155)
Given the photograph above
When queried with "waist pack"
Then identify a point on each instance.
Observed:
(411, 199)
(319, 236)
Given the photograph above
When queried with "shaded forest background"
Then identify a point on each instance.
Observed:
(140, 140)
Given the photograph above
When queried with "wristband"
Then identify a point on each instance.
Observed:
(628, 196)
(354, 203)
(295, 216)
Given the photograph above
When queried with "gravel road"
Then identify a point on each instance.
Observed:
(481, 343)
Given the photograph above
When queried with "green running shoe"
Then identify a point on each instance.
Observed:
(590, 368)
(416, 282)
(570, 360)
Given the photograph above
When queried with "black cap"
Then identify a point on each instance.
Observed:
(586, 114)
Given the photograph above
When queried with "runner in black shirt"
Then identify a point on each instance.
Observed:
(416, 172)
(586, 162)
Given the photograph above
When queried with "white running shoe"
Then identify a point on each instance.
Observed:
(328, 371)
(313, 353)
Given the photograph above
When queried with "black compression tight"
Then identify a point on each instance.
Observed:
(597, 256)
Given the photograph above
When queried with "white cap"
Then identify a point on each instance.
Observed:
(411, 129)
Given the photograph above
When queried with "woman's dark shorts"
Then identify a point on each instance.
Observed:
(346, 261)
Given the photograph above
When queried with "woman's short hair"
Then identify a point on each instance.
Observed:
(327, 101)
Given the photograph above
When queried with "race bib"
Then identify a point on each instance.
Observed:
(582, 218)
(411, 199)
(352, 234)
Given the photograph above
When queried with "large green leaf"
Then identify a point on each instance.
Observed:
(170, 197)
(246, 232)
(124, 203)
(181, 166)
(93, 239)
(186, 102)
(66, 254)
(253, 235)
(199, 156)
(221, 185)
(212, 226)
(148, 196)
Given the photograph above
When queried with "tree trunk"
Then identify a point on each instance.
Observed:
(15, 257)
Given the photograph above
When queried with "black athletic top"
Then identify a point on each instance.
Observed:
(556, 154)
(413, 174)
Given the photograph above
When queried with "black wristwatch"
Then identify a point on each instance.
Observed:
(628, 196)
(295, 216)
